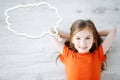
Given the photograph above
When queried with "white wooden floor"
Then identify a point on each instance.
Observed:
(23, 58)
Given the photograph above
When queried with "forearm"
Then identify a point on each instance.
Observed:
(61, 33)
(64, 34)
(105, 32)
(102, 32)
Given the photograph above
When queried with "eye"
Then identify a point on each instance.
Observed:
(88, 38)
(78, 38)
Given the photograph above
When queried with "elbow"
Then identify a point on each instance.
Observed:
(115, 29)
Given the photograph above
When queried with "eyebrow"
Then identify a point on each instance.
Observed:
(88, 36)
(85, 36)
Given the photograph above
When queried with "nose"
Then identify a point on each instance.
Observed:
(82, 43)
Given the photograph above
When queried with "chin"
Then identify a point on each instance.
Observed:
(81, 51)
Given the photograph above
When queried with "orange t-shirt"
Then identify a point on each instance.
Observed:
(82, 66)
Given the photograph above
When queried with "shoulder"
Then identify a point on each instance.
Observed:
(66, 49)
(99, 49)
(100, 53)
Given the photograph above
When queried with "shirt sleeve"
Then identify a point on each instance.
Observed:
(64, 55)
(100, 52)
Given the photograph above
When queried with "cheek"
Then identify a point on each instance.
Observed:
(73, 41)
(90, 43)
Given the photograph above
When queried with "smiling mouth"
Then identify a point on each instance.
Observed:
(83, 47)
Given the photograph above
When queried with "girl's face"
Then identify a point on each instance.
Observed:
(83, 40)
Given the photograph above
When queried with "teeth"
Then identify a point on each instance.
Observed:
(84, 48)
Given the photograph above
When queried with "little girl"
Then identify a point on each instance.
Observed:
(83, 53)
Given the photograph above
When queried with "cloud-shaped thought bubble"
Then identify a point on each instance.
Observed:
(33, 20)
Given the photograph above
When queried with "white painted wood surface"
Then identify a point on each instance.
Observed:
(22, 58)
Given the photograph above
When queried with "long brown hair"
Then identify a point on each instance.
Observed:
(79, 25)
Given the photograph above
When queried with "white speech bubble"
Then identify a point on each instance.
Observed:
(33, 5)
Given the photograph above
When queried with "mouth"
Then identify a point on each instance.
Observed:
(83, 48)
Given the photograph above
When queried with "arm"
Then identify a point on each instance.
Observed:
(58, 44)
(110, 35)
(67, 35)
(64, 34)
(103, 32)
